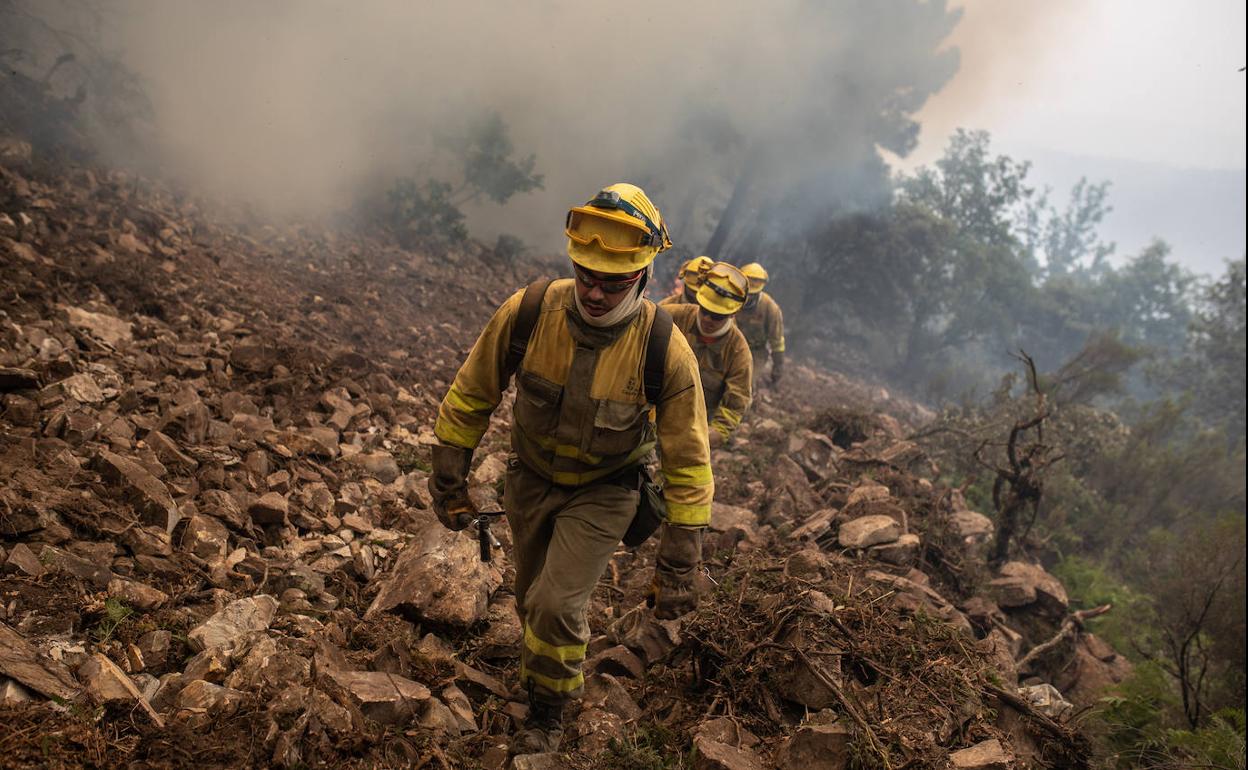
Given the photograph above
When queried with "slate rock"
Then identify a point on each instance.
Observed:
(816, 747)
(986, 755)
(228, 628)
(867, 531)
(148, 494)
(269, 508)
(382, 697)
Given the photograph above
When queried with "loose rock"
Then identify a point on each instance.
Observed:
(868, 531)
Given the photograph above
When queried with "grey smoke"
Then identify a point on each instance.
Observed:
(301, 107)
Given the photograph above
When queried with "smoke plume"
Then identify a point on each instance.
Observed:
(302, 107)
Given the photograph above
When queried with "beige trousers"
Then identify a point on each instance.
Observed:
(563, 537)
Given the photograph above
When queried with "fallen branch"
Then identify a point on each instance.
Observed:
(1070, 626)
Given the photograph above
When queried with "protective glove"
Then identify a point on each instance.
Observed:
(716, 439)
(777, 367)
(448, 486)
(674, 591)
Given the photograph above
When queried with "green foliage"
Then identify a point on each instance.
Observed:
(1091, 584)
(115, 613)
(483, 150)
(429, 211)
(646, 748)
(1135, 728)
(420, 213)
(1213, 369)
(508, 248)
(1068, 241)
(1220, 743)
(979, 194)
(408, 458)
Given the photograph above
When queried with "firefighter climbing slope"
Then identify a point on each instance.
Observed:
(762, 323)
(585, 353)
(721, 349)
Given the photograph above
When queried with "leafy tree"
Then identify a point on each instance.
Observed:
(423, 213)
(918, 287)
(483, 151)
(979, 194)
(1213, 369)
(1148, 300)
(428, 211)
(1067, 240)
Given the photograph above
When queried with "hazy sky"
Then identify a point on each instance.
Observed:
(1151, 80)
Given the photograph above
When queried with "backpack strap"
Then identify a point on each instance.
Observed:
(526, 320)
(656, 354)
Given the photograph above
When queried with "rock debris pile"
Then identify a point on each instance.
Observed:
(216, 543)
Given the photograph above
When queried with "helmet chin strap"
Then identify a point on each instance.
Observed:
(621, 312)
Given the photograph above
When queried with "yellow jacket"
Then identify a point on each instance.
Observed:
(675, 299)
(580, 413)
(764, 325)
(726, 367)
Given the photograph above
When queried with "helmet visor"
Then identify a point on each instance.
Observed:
(615, 233)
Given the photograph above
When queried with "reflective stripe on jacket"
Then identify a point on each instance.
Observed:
(580, 413)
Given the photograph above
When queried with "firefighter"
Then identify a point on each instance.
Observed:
(691, 274)
(724, 359)
(584, 422)
(762, 323)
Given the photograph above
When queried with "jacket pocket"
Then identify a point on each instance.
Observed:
(620, 427)
(537, 404)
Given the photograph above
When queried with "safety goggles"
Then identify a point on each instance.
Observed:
(725, 293)
(714, 316)
(613, 222)
(606, 286)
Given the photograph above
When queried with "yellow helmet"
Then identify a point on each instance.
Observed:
(724, 289)
(619, 231)
(693, 271)
(757, 275)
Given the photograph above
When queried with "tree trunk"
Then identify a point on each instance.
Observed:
(723, 228)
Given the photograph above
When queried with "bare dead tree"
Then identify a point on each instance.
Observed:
(1019, 483)
(1186, 650)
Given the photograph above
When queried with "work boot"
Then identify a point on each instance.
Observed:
(541, 732)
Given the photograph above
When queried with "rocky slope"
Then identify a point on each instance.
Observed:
(216, 546)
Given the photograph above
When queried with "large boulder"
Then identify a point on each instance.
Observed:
(790, 497)
(971, 526)
(109, 329)
(20, 660)
(1020, 583)
(903, 552)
